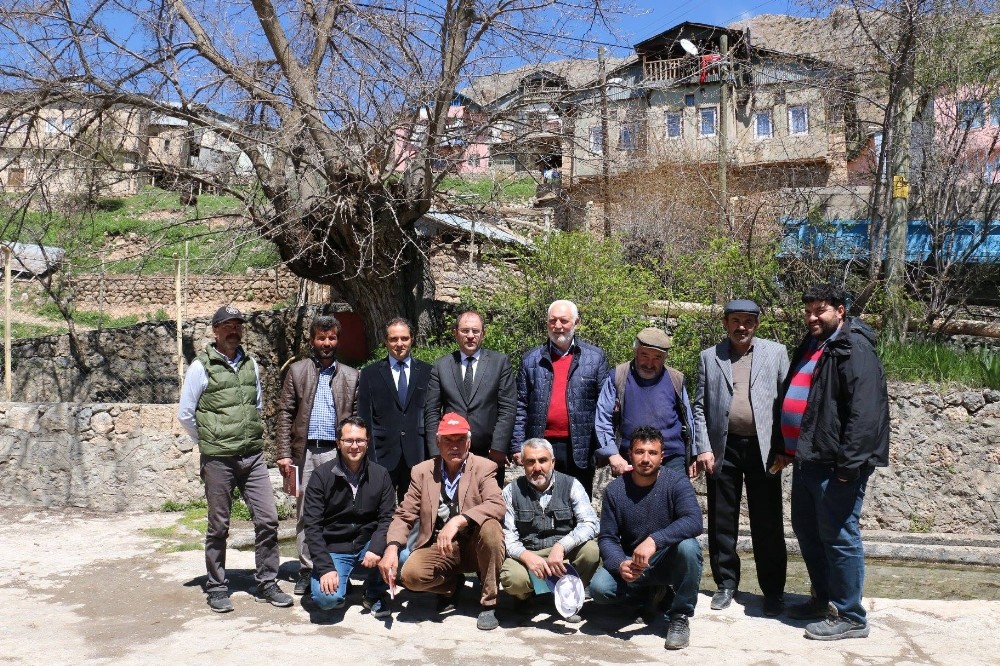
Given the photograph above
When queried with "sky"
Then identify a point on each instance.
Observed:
(663, 15)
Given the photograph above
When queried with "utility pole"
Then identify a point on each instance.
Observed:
(605, 155)
(723, 126)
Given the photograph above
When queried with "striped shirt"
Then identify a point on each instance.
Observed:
(794, 405)
(323, 417)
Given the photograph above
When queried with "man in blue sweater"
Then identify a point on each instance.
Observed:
(649, 522)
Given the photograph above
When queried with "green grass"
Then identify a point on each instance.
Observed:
(91, 234)
(21, 330)
(480, 190)
(935, 363)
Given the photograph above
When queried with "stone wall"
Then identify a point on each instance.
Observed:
(93, 290)
(943, 474)
(105, 457)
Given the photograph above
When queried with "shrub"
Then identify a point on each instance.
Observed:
(611, 294)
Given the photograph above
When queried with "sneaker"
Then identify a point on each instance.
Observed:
(219, 601)
(379, 606)
(678, 633)
(722, 598)
(814, 609)
(773, 605)
(835, 628)
(575, 618)
(269, 592)
(487, 619)
(304, 582)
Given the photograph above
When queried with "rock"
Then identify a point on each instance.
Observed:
(102, 423)
(973, 401)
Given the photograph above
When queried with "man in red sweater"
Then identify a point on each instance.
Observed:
(557, 388)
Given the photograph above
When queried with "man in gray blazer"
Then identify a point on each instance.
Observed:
(735, 405)
(477, 384)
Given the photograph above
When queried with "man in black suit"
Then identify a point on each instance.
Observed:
(391, 395)
(477, 384)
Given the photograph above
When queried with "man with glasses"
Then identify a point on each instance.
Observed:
(317, 393)
(835, 429)
(220, 410)
(347, 509)
(477, 384)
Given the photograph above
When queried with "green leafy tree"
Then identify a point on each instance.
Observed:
(611, 294)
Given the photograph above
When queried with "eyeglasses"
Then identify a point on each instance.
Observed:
(352, 442)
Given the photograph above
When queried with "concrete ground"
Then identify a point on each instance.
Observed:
(81, 588)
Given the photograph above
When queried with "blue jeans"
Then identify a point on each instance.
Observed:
(678, 566)
(344, 563)
(825, 517)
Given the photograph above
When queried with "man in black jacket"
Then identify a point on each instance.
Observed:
(391, 395)
(835, 428)
(348, 506)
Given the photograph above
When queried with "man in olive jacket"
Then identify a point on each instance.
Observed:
(316, 395)
(220, 410)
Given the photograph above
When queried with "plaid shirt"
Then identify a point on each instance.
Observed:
(323, 417)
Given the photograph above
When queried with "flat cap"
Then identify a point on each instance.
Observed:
(225, 313)
(654, 338)
(741, 305)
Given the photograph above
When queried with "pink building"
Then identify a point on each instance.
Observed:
(462, 150)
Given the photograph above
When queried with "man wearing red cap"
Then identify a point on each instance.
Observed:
(456, 498)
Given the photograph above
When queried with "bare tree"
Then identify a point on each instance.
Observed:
(317, 96)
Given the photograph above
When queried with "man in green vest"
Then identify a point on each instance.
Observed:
(220, 410)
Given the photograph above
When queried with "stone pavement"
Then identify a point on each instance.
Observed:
(82, 588)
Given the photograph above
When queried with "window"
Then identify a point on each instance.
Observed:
(971, 114)
(688, 100)
(628, 137)
(674, 122)
(67, 125)
(51, 126)
(798, 120)
(473, 160)
(596, 141)
(166, 144)
(706, 121)
(763, 128)
(15, 178)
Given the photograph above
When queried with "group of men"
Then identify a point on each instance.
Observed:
(402, 465)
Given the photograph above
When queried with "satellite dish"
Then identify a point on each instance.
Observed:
(689, 47)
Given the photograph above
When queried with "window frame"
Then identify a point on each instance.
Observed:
(680, 125)
(715, 121)
(770, 124)
(805, 116)
(596, 141)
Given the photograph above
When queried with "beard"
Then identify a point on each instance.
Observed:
(562, 340)
(540, 482)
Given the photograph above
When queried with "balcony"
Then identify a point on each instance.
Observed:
(689, 70)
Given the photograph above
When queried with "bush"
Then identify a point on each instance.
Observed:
(611, 294)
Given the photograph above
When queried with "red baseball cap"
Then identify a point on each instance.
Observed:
(453, 424)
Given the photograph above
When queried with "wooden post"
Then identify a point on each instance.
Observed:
(723, 127)
(605, 148)
(180, 320)
(7, 383)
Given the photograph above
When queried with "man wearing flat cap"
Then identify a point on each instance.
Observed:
(645, 392)
(459, 506)
(735, 404)
(220, 410)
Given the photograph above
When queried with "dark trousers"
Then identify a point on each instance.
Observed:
(742, 463)
(400, 477)
(563, 450)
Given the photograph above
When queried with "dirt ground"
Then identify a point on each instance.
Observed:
(84, 588)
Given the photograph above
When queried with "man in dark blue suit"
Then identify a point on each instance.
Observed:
(391, 395)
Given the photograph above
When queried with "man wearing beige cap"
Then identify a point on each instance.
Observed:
(459, 506)
(645, 392)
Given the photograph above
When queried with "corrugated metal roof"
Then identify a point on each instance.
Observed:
(481, 228)
(35, 259)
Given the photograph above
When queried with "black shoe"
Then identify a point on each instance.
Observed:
(449, 602)
(304, 582)
(269, 592)
(379, 606)
(526, 607)
(678, 633)
(487, 619)
(723, 597)
(219, 601)
(814, 609)
(773, 605)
